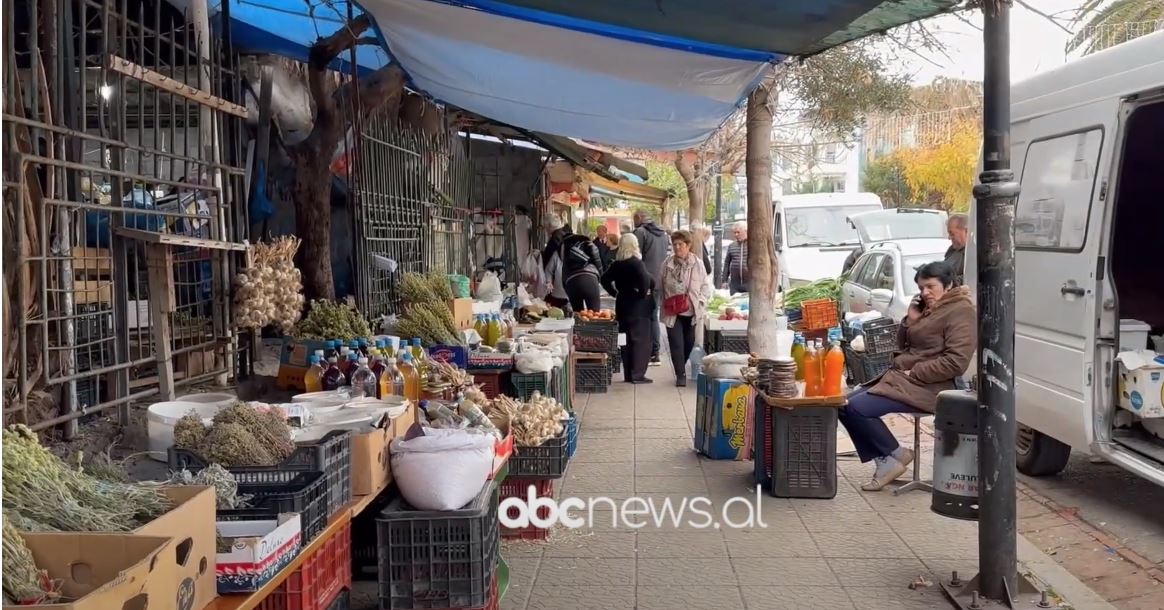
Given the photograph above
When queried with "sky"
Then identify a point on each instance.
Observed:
(1036, 44)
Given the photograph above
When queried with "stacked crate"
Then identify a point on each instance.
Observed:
(597, 337)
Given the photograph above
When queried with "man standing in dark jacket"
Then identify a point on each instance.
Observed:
(958, 230)
(655, 245)
(604, 249)
(736, 263)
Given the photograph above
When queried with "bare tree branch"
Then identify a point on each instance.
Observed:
(1044, 15)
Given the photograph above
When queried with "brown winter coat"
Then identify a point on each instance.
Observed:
(932, 352)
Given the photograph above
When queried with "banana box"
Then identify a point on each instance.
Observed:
(723, 418)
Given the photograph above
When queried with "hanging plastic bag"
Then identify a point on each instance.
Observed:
(533, 274)
(442, 470)
(533, 361)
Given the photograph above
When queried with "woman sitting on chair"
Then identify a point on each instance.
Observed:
(935, 343)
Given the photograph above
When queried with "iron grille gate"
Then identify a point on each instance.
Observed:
(118, 115)
(411, 207)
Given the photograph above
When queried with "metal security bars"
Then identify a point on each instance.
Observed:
(119, 116)
(411, 206)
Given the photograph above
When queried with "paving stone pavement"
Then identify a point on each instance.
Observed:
(858, 551)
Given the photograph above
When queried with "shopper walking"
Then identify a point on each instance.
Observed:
(736, 263)
(653, 243)
(684, 295)
(631, 284)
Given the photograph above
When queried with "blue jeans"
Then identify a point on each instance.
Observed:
(862, 419)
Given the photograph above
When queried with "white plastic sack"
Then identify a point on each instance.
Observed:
(442, 470)
(533, 274)
(724, 365)
(533, 361)
(490, 287)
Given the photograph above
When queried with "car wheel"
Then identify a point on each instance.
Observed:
(1039, 455)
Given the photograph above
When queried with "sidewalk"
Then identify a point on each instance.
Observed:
(857, 551)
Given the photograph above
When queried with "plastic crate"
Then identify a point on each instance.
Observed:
(818, 313)
(734, 341)
(571, 435)
(321, 580)
(438, 559)
(595, 336)
(364, 562)
(342, 601)
(519, 488)
(880, 336)
(560, 386)
(592, 374)
(525, 384)
(546, 461)
(864, 367)
(490, 382)
(762, 443)
(331, 455)
(804, 446)
(93, 322)
(306, 494)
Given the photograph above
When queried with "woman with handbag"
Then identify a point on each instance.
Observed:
(685, 297)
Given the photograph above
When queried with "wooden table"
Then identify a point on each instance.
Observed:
(250, 601)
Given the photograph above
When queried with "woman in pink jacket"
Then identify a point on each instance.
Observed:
(685, 296)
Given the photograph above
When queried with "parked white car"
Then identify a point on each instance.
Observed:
(882, 279)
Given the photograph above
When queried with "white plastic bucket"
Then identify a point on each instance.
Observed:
(221, 399)
(784, 339)
(161, 417)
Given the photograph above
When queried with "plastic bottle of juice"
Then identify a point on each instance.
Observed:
(479, 326)
(834, 371)
(313, 378)
(493, 330)
(364, 382)
(811, 372)
(333, 377)
(419, 358)
(798, 356)
(391, 382)
(353, 363)
(365, 346)
(411, 377)
(378, 367)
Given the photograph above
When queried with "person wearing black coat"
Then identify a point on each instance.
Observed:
(581, 269)
(632, 286)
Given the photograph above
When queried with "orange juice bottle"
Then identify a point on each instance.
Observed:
(811, 371)
(411, 377)
(834, 371)
(313, 378)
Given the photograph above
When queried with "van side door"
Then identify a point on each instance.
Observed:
(1066, 157)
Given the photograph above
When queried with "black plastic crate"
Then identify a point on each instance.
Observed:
(735, 341)
(437, 559)
(305, 494)
(546, 461)
(364, 562)
(804, 446)
(864, 367)
(331, 455)
(592, 376)
(525, 384)
(880, 336)
(93, 322)
(595, 336)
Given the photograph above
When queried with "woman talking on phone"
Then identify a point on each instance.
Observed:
(934, 346)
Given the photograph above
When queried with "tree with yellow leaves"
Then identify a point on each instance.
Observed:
(941, 174)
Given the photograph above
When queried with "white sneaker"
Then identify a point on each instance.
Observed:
(888, 469)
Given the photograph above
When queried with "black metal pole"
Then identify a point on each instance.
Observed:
(996, 195)
(717, 232)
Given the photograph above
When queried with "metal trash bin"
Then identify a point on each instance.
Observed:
(955, 478)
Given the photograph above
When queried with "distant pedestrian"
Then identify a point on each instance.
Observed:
(631, 284)
(685, 294)
(653, 242)
(958, 230)
(736, 263)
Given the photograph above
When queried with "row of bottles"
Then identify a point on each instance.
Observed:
(492, 328)
(822, 371)
(372, 371)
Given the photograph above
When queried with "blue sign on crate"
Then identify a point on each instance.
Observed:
(456, 355)
(722, 413)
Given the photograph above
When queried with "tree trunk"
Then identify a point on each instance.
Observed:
(312, 196)
(761, 248)
(691, 172)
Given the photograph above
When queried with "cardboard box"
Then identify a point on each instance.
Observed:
(462, 310)
(259, 549)
(191, 526)
(106, 571)
(371, 459)
(723, 416)
(1142, 383)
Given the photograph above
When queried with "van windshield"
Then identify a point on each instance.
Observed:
(822, 227)
(891, 224)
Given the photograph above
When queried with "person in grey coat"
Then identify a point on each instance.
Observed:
(655, 245)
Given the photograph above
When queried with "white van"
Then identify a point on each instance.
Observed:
(813, 235)
(1087, 145)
